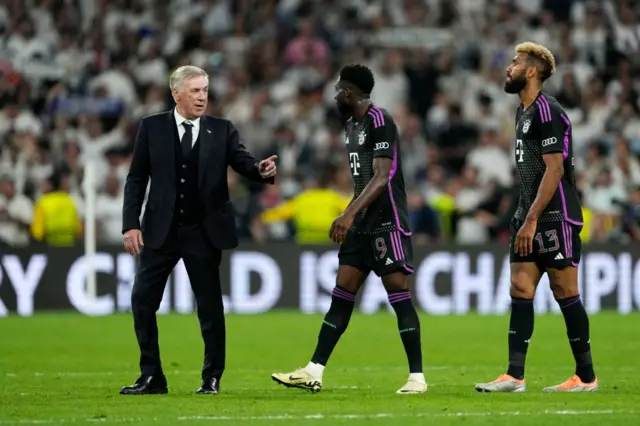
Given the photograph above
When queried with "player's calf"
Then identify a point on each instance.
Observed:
(564, 283)
(520, 331)
(409, 328)
(334, 324)
(524, 280)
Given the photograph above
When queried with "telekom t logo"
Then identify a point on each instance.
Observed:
(354, 162)
(519, 151)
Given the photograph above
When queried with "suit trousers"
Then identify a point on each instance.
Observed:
(202, 262)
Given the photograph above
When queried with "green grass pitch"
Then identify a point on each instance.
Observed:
(68, 369)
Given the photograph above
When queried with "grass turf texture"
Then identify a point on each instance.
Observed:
(67, 368)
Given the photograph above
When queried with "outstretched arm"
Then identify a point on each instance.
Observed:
(245, 164)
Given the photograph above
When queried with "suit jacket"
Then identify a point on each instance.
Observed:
(153, 157)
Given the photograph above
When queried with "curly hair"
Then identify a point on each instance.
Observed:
(358, 75)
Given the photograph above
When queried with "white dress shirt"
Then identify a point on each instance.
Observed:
(194, 131)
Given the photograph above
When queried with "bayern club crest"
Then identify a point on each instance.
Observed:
(361, 138)
(525, 127)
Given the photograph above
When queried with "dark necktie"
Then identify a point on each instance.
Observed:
(187, 138)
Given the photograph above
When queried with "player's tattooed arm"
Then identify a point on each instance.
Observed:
(548, 185)
(375, 187)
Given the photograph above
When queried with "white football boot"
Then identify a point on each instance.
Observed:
(504, 383)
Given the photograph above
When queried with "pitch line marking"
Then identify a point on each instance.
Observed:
(320, 416)
(189, 372)
(391, 415)
(478, 368)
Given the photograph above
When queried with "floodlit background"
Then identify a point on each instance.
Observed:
(76, 77)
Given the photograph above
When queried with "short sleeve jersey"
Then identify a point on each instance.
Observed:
(542, 129)
(376, 135)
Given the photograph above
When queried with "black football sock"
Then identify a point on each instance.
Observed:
(335, 323)
(520, 331)
(409, 327)
(577, 321)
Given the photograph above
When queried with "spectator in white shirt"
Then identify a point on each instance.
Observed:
(16, 213)
(109, 211)
(470, 229)
(491, 160)
(392, 85)
(625, 168)
(605, 200)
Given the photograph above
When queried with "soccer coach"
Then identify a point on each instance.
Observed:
(188, 216)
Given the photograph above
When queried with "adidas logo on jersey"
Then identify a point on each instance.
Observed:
(388, 262)
(559, 256)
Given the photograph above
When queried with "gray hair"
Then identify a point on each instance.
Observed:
(185, 72)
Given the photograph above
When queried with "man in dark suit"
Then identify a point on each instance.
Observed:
(188, 216)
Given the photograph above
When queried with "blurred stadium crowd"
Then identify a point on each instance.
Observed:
(76, 76)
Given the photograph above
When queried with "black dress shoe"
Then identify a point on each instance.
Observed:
(209, 386)
(146, 385)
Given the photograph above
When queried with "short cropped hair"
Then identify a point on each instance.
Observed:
(184, 73)
(360, 76)
(542, 55)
